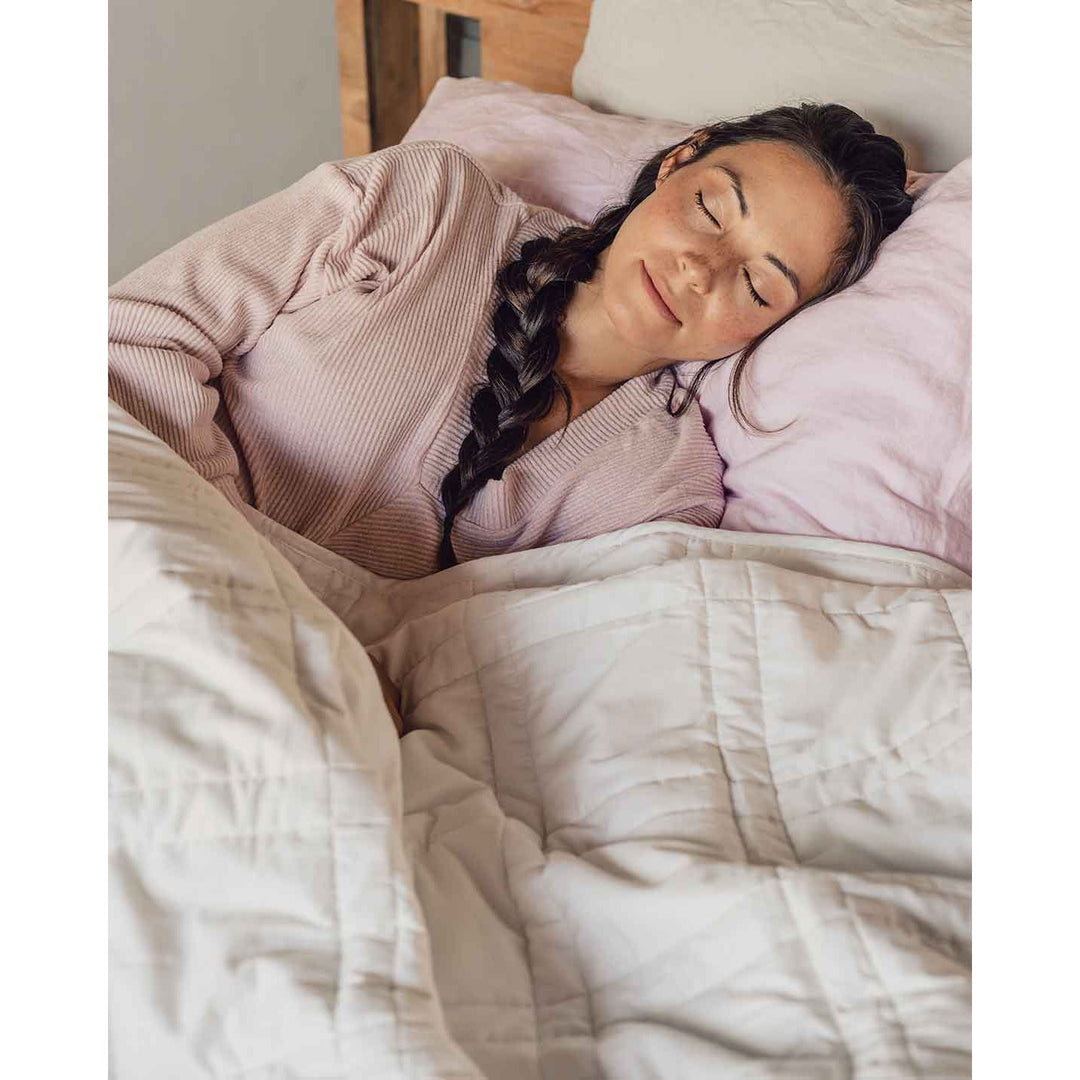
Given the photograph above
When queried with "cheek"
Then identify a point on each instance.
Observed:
(653, 225)
(727, 328)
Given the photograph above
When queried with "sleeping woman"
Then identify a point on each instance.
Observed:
(400, 360)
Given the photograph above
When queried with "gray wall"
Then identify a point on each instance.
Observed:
(213, 104)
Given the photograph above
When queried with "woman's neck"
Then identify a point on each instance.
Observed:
(587, 345)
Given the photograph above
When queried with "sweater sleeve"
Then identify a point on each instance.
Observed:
(173, 320)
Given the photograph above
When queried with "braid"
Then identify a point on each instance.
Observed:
(867, 169)
(534, 291)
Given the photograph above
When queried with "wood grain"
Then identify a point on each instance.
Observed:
(538, 53)
(353, 73)
(392, 52)
(393, 44)
(433, 62)
(573, 11)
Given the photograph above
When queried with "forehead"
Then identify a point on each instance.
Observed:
(779, 164)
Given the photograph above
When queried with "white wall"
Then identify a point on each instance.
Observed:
(213, 104)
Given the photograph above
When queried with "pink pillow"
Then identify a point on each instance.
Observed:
(878, 383)
(551, 150)
(876, 379)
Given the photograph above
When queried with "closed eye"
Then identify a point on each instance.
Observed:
(705, 211)
(755, 295)
(753, 292)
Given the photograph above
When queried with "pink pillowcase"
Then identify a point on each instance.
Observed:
(878, 383)
(876, 380)
(551, 150)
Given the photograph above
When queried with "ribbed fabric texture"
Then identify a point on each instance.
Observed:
(314, 355)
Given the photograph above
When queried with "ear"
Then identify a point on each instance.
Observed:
(679, 156)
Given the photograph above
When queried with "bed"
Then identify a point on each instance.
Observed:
(673, 801)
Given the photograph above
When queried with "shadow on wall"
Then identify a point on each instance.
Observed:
(211, 107)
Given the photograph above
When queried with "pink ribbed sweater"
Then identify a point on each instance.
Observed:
(314, 356)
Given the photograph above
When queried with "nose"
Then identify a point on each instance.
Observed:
(698, 272)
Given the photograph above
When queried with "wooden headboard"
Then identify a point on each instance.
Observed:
(391, 52)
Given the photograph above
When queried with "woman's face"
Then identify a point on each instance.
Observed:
(732, 242)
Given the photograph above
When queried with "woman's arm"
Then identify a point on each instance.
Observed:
(173, 321)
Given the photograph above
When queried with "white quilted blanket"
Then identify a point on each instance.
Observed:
(676, 803)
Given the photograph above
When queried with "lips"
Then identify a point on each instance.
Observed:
(658, 301)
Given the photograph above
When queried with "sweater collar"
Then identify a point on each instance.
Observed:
(502, 503)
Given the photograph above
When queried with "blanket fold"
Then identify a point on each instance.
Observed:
(675, 801)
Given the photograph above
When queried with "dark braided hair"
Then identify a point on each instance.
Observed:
(868, 171)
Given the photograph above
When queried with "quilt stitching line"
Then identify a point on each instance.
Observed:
(817, 546)
(265, 834)
(710, 807)
(543, 838)
(675, 609)
(715, 713)
(953, 947)
(512, 654)
(343, 636)
(476, 669)
(394, 981)
(960, 637)
(502, 840)
(510, 1040)
(874, 790)
(918, 733)
(826, 995)
(750, 814)
(464, 633)
(937, 884)
(117, 645)
(519, 684)
(524, 938)
(254, 778)
(397, 990)
(860, 936)
(332, 826)
(804, 740)
(322, 826)
(579, 822)
(449, 1006)
(632, 787)
(334, 885)
(765, 716)
(683, 942)
(280, 1061)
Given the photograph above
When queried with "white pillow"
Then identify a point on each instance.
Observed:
(904, 66)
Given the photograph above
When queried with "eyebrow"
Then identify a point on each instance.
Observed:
(736, 180)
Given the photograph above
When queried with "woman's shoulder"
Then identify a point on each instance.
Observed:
(443, 185)
(439, 168)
